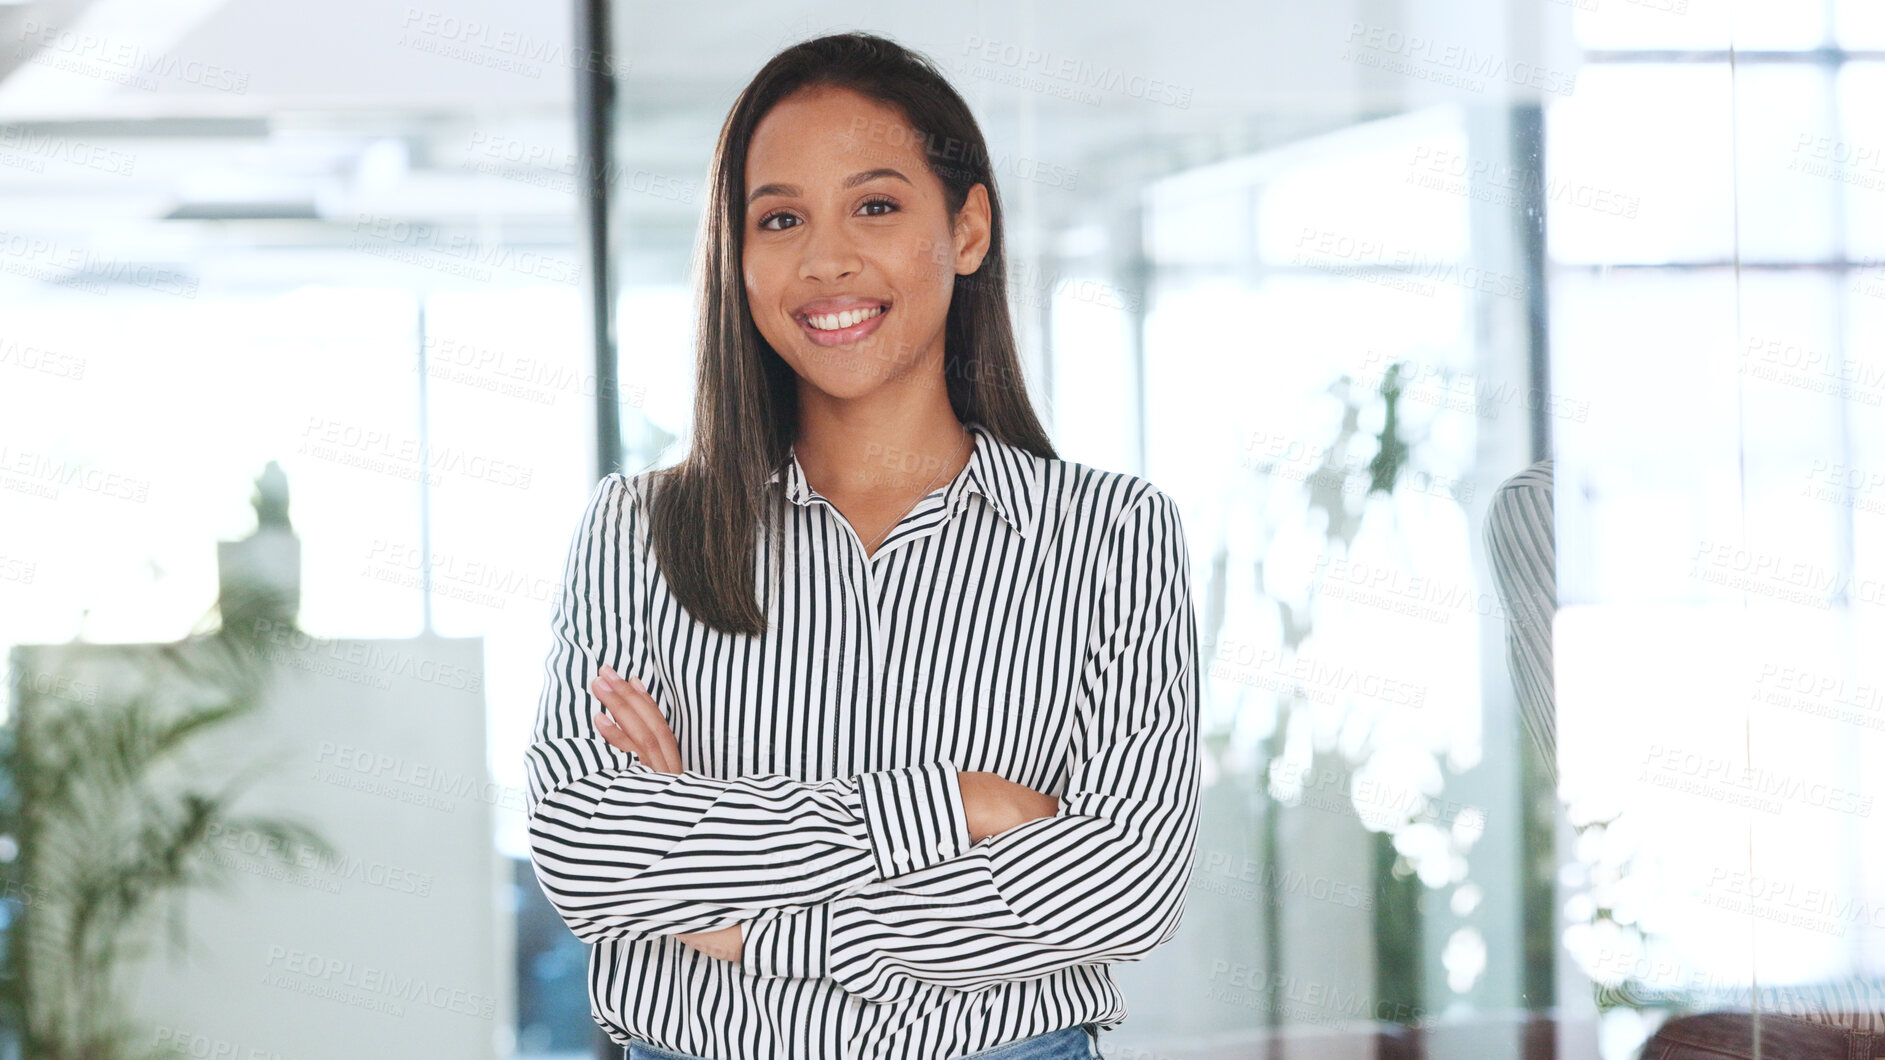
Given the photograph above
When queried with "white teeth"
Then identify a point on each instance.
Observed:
(835, 321)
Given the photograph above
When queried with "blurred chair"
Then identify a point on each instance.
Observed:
(1731, 1036)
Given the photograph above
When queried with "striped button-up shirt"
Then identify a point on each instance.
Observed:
(1031, 618)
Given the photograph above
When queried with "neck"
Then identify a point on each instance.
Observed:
(886, 455)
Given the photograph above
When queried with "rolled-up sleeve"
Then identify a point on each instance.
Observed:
(623, 851)
(1104, 880)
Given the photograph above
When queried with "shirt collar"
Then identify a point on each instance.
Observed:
(1002, 474)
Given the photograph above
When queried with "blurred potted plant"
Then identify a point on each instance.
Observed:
(1333, 499)
(107, 812)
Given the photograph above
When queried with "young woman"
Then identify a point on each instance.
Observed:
(869, 729)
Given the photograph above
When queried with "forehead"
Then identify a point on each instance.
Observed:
(830, 130)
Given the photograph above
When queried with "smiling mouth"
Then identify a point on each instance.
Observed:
(850, 318)
(840, 329)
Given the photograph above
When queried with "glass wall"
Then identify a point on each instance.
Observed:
(1494, 769)
(299, 299)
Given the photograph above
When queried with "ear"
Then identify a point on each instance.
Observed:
(972, 230)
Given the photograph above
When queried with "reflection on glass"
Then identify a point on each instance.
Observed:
(1519, 366)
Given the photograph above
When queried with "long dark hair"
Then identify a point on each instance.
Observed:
(705, 510)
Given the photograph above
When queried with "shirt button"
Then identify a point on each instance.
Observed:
(901, 857)
(942, 847)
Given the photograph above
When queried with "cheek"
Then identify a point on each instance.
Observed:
(933, 263)
(764, 270)
(754, 277)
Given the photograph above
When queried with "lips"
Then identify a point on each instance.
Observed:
(839, 336)
(818, 307)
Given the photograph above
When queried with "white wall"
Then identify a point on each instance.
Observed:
(400, 947)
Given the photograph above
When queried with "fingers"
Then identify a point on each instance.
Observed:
(622, 740)
(992, 804)
(1049, 806)
(974, 803)
(613, 733)
(630, 721)
(617, 719)
(723, 944)
(666, 748)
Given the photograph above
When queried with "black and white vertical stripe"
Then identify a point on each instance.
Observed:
(1520, 540)
(1031, 618)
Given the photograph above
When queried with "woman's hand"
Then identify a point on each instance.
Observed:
(630, 721)
(994, 804)
(723, 943)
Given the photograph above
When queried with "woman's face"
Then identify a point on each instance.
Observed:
(850, 255)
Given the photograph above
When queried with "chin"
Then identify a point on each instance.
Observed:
(846, 371)
(837, 381)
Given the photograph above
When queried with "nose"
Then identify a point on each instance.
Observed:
(828, 253)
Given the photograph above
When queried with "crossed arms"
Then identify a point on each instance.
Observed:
(872, 880)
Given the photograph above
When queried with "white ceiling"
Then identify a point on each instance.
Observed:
(192, 129)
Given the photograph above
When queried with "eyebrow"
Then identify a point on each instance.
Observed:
(851, 181)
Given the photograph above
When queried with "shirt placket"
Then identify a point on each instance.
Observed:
(861, 601)
(876, 568)
(873, 639)
(934, 515)
(856, 612)
(869, 570)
